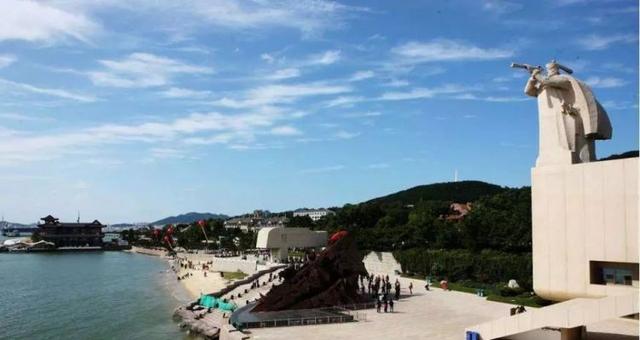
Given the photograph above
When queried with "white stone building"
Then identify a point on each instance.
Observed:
(278, 240)
(314, 214)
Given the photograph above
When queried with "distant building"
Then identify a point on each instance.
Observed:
(64, 234)
(314, 214)
(257, 220)
(278, 240)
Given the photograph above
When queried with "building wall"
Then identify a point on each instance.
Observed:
(582, 213)
(280, 239)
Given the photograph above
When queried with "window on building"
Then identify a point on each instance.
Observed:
(614, 273)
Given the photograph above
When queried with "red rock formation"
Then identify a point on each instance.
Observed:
(331, 279)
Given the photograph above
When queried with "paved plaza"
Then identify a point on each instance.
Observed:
(435, 314)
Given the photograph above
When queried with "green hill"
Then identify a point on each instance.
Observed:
(189, 218)
(464, 191)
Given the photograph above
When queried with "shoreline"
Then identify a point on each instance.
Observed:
(192, 279)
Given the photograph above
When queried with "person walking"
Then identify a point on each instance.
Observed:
(378, 305)
(410, 288)
(386, 305)
(391, 305)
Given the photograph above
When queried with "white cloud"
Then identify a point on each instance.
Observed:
(346, 135)
(495, 99)
(40, 22)
(325, 58)
(279, 94)
(331, 168)
(229, 130)
(166, 153)
(595, 42)
(46, 91)
(22, 117)
(178, 92)
(267, 57)
(311, 17)
(285, 73)
(500, 6)
(615, 105)
(421, 92)
(142, 70)
(6, 60)
(344, 101)
(285, 130)
(367, 114)
(362, 75)
(605, 82)
(619, 67)
(447, 50)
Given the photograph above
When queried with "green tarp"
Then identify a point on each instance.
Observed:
(226, 307)
(209, 301)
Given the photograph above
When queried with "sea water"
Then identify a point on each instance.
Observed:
(87, 295)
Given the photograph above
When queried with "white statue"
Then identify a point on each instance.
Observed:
(571, 119)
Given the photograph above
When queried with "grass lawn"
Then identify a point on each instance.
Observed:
(234, 275)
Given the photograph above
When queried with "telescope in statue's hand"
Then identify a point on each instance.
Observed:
(527, 67)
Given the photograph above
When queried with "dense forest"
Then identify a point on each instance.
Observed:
(492, 243)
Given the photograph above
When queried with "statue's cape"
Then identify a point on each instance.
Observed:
(595, 120)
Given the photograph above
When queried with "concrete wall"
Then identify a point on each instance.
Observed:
(381, 263)
(581, 213)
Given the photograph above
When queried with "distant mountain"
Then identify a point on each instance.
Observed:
(463, 191)
(189, 218)
(8, 224)
(628, 154)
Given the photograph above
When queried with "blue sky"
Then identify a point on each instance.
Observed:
(135, 110)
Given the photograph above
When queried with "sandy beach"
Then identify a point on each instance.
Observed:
(198, 276)
(197, 284)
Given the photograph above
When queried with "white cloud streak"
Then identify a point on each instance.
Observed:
(280, 94)
(605, 82)
(40, 22)
(330, 168)
(182, 93)
(243, 129)
(325, 58)
(46, 91)
(447, 50)
(6, 60)
(362, 75)
(285, 73)
(595, 42)
(142, 70)
(422, 92)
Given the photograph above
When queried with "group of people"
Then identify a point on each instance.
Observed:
(380, 288)
(380, 285)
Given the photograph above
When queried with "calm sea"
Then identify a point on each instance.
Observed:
(91, 295)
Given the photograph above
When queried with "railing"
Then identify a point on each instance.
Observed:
(338, 314)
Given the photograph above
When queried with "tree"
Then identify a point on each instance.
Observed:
(300, 222)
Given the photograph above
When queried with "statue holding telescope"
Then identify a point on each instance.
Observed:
(570, 117)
